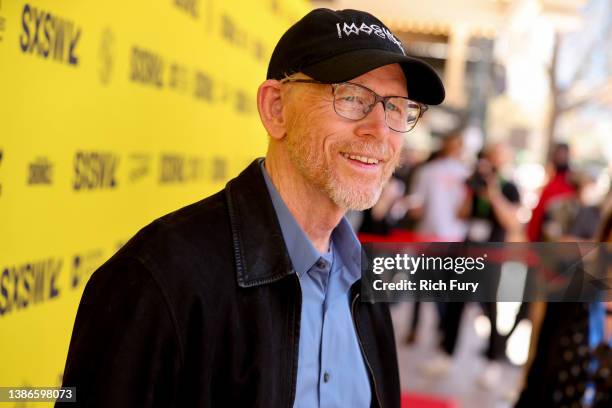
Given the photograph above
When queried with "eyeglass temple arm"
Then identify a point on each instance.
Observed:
(424, 108)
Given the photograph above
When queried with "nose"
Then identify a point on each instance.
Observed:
(374, 124)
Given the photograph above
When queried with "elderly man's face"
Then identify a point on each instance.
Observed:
(336, 154)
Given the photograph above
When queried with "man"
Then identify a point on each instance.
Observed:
(439, 190)
(492, 203)
(439, 187)
(491, 208)
(250, 297)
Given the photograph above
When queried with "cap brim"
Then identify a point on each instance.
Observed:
(424, 85)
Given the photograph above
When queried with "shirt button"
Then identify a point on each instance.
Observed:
(326, 377)
(321, 264)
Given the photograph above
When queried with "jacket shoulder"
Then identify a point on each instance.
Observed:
(188, 252)
(194, 231)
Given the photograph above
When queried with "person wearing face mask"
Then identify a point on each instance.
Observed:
(559, 186)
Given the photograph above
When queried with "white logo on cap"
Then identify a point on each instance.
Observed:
(352, 28)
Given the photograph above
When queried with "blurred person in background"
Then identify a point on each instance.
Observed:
(439, 191)
(599, 389)
(378, 219)
(572, 363)
(549, 319)
(492, 201)
(491, 208)
(575, 217)
(558, 186)
(392, 209)
(251, 297)
(411, 161)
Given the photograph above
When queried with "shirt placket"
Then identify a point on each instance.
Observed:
(321, 272)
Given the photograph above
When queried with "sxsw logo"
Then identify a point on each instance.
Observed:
(49, 36)
(95, 170)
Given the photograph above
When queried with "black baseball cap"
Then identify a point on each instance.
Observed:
(336, 46)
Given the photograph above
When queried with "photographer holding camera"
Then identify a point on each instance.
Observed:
(493, 201)
(490, 207)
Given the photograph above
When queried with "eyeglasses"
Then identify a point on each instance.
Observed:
(355, 102)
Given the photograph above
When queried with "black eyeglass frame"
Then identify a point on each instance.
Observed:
(422, 107)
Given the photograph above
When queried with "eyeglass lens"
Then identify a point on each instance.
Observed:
(355, 102)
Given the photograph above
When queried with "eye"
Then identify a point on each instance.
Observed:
(391, 107)
(355, 101)
(397, 108)
(354, 98)
(349, 98)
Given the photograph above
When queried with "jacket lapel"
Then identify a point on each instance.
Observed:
(260, 252)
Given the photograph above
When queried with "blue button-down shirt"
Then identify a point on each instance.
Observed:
(331, 368)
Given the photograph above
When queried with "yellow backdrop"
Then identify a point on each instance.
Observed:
(112, 113)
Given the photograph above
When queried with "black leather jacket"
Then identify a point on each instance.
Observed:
(202, 309)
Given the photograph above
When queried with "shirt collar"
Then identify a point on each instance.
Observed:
(302, 253)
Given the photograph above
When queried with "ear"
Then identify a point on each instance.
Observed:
(270, 107)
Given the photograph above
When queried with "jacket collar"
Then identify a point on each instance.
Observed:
(260, 253)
